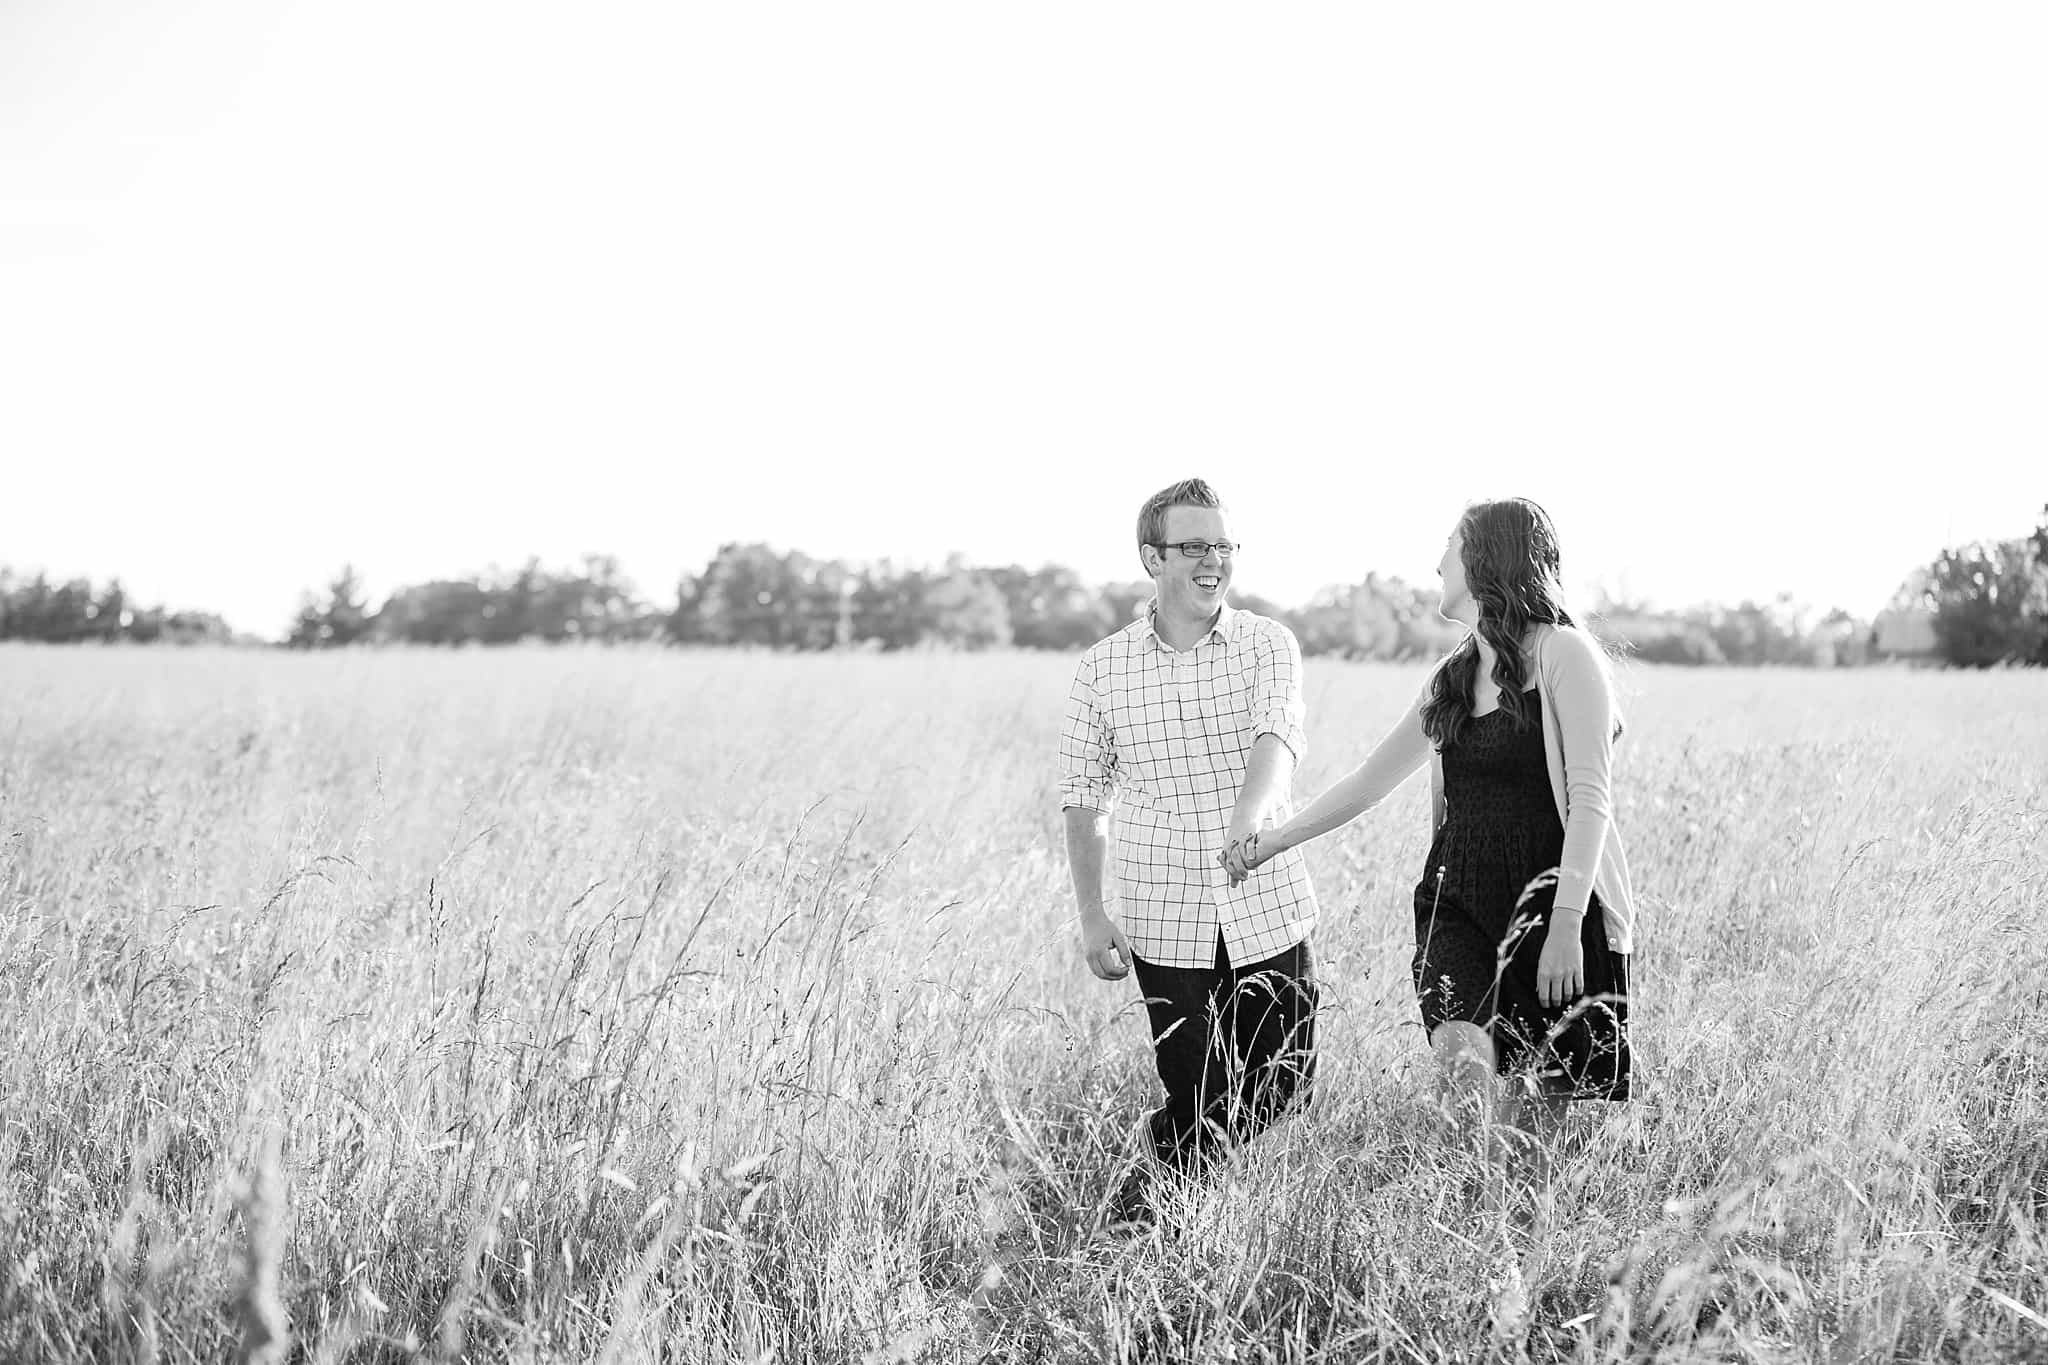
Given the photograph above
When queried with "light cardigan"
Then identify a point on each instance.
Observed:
(1578, 749)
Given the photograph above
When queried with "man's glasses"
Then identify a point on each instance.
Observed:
(1198, 549)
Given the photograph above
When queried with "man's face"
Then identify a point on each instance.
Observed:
(1191, 586)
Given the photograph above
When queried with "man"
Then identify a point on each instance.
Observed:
(1184, 729)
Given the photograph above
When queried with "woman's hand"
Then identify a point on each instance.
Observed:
(1244, 853)
(1240, 856)
(1561, 969)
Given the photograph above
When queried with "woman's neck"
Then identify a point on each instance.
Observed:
(1489, 656)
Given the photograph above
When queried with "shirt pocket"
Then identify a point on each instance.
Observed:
(1225, 724)
(1148, 729)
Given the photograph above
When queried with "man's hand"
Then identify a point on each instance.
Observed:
(1561, 969)
(1102, 944)
(1104, 947)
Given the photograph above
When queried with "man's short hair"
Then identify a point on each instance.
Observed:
(1186, 493)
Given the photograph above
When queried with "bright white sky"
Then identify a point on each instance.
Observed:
(1751, 296)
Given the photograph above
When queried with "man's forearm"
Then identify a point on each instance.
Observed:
(1266, 777)
(1087, 851)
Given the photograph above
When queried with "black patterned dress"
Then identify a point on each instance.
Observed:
(1476, 949)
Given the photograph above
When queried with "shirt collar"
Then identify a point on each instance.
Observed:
(1225, 628)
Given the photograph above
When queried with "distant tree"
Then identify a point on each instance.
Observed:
(307, 624)
(1262, 606)
(444, 612)
(110, 615)
(72, 610)
(887, 606)
(1760, 633)
(1351, 621)
(596, 604)
(342, 619)
(348, 609)
(58, 613)
(1677, 643)
(1124, 602)
(1904, 629)
(1381, 618)
(750, 595)
(1777, 632)
(1840, 640)
(1014, 582)
(1425, 634)
(813, 603)
(1050, 608)
(828, 605)
(28, 608)
(1990, 603)
(146, 625)
(511, 614)
(961, 608)
(683, 626)
(554, 612)
(194, 628)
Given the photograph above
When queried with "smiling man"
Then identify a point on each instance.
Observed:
(1182, 733)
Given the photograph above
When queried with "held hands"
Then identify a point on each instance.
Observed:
(1242, 856)
(1561, 968)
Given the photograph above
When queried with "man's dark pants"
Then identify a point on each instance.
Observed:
(1236, 1048)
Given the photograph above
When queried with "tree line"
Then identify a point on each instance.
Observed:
(77, 612)
(1990, 600)
(1973, 605)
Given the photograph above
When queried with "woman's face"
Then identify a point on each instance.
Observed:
(1456, 604)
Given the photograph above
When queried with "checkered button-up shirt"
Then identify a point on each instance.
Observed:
(1159, 738)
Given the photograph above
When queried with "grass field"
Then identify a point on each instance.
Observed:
(696, 1007)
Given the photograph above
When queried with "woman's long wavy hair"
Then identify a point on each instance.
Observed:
(1509, 550)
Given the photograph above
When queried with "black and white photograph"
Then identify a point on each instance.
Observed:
(909, 683)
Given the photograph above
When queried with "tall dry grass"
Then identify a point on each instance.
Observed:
(634, 1006)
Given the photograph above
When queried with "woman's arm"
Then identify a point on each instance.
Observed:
(1584, 697)
(1403, 749)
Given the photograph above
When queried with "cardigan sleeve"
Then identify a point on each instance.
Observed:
(1583, 694)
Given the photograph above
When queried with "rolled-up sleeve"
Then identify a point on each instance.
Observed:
(1277, 706)
(1087, 747)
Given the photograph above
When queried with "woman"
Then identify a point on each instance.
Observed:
(1523, 916)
